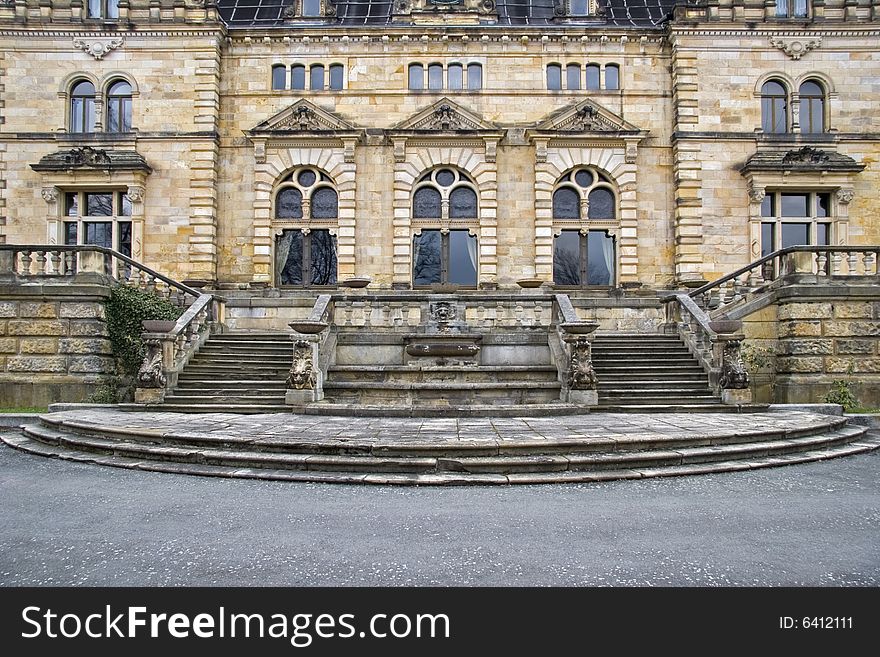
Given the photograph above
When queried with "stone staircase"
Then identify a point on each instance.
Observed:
(651, 373)
(235, 373)
(446, 451)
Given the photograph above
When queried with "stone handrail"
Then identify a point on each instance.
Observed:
(35, 262)
(715, 343)
(818, 263)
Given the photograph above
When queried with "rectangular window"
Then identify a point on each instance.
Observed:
(70, 232)
(435, 77)
(600, 258)
(579, 7)
(95, 9)
(124, 239)
(593, 77)
(795, 234)
(279, 77)
(316, 78)
(554, 77)
(567, 258)
(311, 8)
(99, 205)
(454, 77)
(112, 8)
(336, 77)
(99, 233)
(322, 254)
(768, 206)
(71, 204)
(462, 258)
(426, 257)
(298, 77)
(612, 77)
(823, 234)
(823, 205)
(475, 77)
(800, 8)
(794, 205)
(768, 238)
(572, 76)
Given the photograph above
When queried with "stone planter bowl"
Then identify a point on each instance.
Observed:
(158, 325)
(579, 328)
(308, 327)
(530, 282)
(356, 282)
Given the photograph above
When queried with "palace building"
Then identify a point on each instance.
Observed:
(251, 144)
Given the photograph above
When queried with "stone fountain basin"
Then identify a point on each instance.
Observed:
(442, 350)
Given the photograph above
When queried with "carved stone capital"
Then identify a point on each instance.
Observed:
(136, 193)
(49, 194)
(844, 195)
(756, 194)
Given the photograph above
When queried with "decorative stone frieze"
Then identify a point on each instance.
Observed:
(796, 47)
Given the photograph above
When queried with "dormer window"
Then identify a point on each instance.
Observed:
(103, 9)
(576, 8)
(310, 9)
(791, 8)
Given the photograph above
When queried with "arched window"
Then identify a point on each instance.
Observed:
(474, 77)
(337, 76)
(119, 107)
(573, 76)
(435, 77)
(583, 254)
(774, 107)
(554, 77)
(416, 76)
(316, 77)
(612, 77)
(455, 77)
(812, 107)
(82, 107)
(593, 77)
(279, 77)
(297, 76)
(444, 253)
(306, 255)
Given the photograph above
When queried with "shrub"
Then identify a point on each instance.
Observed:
(841, 392)
(126, 309)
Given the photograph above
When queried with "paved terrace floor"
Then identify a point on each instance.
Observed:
(279, 428)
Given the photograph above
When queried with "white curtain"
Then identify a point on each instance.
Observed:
(282, 249)
(608, 255)
(472, 249)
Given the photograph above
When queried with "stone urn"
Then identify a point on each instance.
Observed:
(158, 325)
(530, 283)
(308, 327)
(356, 282)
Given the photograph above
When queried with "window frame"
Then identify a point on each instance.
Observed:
(822, 98)
(122, 102)
(584, 258)
(773, 198)
(118, 216)
(773, 98)
(75, 127)
(446, 257)
(306, 273)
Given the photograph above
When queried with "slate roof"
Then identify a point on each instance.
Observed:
(269, 13)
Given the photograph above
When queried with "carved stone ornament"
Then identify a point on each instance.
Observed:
(581, 375)
(87, 156)
(486, 6)
(587, 119)
(844, 196)
(150, 375)
(302, 118)
(756, 194)
(136, 194)
(796, 47)
(302, 372)
(98, 49)
(733, 370)
(445, 118)
(50, 194)
(442, 313)
(805, 155)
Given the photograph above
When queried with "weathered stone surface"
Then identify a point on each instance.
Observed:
(92, 365)
(859, 364)
(38, 309)
(806, 347)
(36, 364)
(38, 346)
(8, 345)
(856, 346)
(851, 329)
(88, 328)
(82, 310)
(861, 310)
(84, 346)
(801, 364)
(8, 309)
(804, 311)
(36, 327)
(800, 328)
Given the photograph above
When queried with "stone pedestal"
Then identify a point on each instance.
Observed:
(149, 395)
(734, 397)
(294, 397)
(583, 397)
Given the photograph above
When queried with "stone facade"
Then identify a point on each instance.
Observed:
(54, 344)
(217, 139)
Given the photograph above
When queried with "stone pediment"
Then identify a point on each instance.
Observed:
(445, 116)
(806, 159)
(89, 158)
(584, 117)
(302, 117)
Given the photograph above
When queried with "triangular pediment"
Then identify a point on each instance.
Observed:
(585, 116)
(445, 116)
(304, 117)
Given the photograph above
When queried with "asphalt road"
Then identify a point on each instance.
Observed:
(77, 524)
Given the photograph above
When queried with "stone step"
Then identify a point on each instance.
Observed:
(648, 355)
(427, 463)
(447, 394)
(239, 408)
(612, 387)
(193, 386)
(650, 378)
(238, 397)
(671, 406)
(673, 398)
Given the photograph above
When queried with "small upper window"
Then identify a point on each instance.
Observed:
(612, 77)
(298, 76)
(103, 9)
(791, 8)
(579, 7)
(435, 77)
(82, 107)
(593, 77)
(279, 77)
(554, 77)
(119, 107)
(311, 8)
(774, 107)
(416, 76)
(454, 77)
(474, 77)
(573, 76)
(337, 76)
(316, 77)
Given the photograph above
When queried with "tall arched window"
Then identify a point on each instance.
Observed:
(445, 203)
(316, 77)
(573, 76)
(774, 107)
(554, 77)
(337, 76)
(279, 77)
(593, 80)
(474, 77)
(455, 77)
(612, 76)
(583, 251)
(297, 76)
(435, 77)
(416, 76)
(119, 107)
(812, 96)
(306, 254)
(82, 107)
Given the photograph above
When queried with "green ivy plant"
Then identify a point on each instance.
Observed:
(126, 309)
(841, 391)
